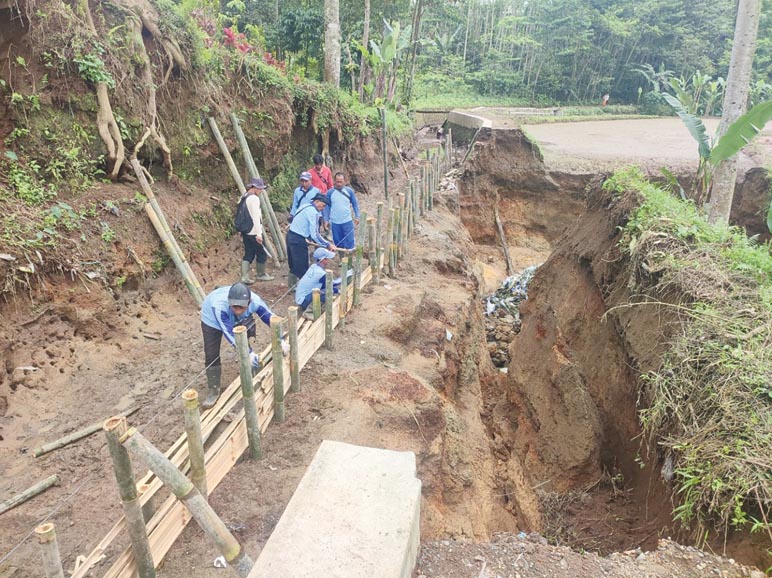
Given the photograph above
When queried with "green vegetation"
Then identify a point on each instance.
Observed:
(709, 406)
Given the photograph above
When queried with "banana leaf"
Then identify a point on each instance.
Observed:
(693, 123)
(741, 132)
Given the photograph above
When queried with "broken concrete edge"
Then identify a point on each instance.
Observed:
(468, 120)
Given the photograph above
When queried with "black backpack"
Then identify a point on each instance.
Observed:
(243, 221)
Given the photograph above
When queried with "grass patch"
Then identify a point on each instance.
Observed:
(709, 406)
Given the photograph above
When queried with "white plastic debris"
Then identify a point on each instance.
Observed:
(448, 335)
(220, 562)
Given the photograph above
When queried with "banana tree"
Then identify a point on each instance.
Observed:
(383, 59)
(740, 133)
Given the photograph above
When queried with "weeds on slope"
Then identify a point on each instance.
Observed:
(709, 405)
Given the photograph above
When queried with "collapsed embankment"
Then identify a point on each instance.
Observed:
(568, 414)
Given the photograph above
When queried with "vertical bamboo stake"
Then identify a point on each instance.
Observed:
(450, 149)
(405, 222)
(292, 326)
(316, 302)
(400, 219)
(49, 551)
(195, 441)
(390, 241)
(411, 204)
(328, 309)
(187, 493)
(344, 265)
(114, 428)
(371, 240)
(397, 235)
(378, 244)
(194, 292)
(278, 369)
(422, 192)
(384, 146)
(248, 392)
(227, 154)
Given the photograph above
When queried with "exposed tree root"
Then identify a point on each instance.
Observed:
(136, 22)
(106, 124)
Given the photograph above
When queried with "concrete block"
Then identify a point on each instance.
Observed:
(355, 514)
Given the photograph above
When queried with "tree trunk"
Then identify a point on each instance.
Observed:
(363, 61)
(735, 104)
(414, 35)
(332, 42)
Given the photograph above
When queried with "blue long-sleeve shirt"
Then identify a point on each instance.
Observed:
(338, 211)
(315, 278)
(217, 313)
(306, 224)
(301, 198)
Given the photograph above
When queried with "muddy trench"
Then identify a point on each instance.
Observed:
(542, 439)
(561, 412)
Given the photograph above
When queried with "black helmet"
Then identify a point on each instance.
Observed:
(239, 295)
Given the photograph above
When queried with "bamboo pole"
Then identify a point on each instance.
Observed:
(292, 327)
(278, 369)
(471, 145)
(390, 240)
(343, 305)
(30, 492)
(268, 214)
(194, 292)
(227, 154)
(360, 247)
(114, 428)
(49, 551)
(151, 198)
(371, 241)
(503, 238)
(449, 147)
(376, 266)
(75, 436)
(248, 392)
(400, 221)
(328, 309)
(411, 203)
(195, 441)
(422, 192)
(405, 222)
(316, 302)
(384, 146)
(397, 235)
(187, 493)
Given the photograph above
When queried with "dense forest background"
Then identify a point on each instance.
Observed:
(516, 51)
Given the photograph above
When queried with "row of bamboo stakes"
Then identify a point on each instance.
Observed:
(152, 533)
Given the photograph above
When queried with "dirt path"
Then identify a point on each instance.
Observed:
(603, 145)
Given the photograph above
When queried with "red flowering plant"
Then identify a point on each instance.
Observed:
(236, 40)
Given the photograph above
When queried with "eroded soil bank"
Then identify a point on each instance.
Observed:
(547, 447)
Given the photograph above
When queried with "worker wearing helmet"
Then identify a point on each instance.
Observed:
(222, 310)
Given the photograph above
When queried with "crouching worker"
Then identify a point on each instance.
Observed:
(315, 278)
(222, 310)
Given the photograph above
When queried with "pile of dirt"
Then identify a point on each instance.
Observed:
(529, 556)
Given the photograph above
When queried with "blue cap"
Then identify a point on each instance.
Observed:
(305, 176)
(321, 254)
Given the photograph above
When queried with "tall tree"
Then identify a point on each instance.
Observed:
(363, 60)
(735, 104)
(332, 42)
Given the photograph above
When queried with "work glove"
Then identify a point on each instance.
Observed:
(285, 347)
(254, 360)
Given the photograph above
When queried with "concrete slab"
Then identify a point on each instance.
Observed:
(355, 514)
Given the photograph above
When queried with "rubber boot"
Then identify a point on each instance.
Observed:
(245, 273)
(212, 386)
(291, 280)
(261, 274)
